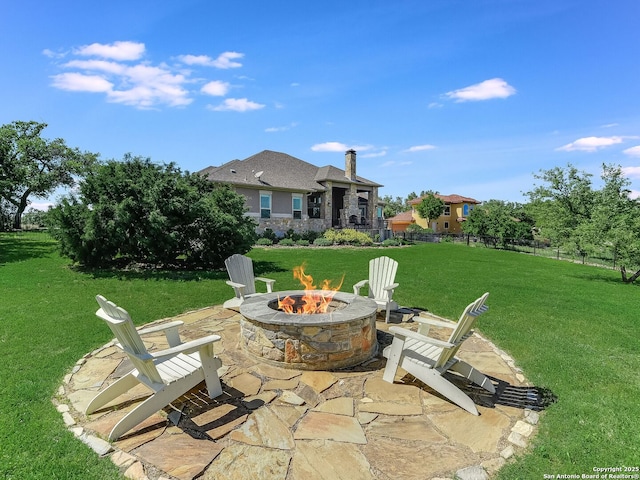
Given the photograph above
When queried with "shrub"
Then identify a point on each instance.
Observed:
(135, 211)
(391, 242)
(268, 233)
(290, 234)
(322, 242)
(302, 243)
(348, 236)
(415, 228)
(310, 235)
(286, 242)
(264, 241)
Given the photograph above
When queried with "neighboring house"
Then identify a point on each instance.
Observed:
(456, 210)
(283, 192)
(401, 221)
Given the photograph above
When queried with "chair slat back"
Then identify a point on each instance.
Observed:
(240, 270)
(382, 273)
(463, 328)
(124, 330)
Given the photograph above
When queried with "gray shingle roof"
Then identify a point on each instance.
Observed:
(280, 171)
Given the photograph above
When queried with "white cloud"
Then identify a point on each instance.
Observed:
(339, 147)
(224, 60)
(295, 84)
(393, 163)
(633, 151)
(633, 194)
(590, 144)
(434, 105)
(631, 172)
(373, 155)
(115, 50)
(142, 84)
(237, 105)
(215, 88)
(493, 88)
(329, 147)
(609, 125)
(78, 82)
(420, 148)
(281, 129)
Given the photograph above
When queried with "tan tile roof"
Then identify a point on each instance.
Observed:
(451, 199)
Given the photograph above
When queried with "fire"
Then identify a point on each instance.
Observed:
(314, 300)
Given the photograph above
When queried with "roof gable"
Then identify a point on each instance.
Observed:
(278, 170)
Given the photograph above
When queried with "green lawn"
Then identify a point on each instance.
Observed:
(572, 328)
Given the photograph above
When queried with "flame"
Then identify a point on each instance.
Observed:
(314, 300)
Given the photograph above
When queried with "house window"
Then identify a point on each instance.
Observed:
(314, 201)
(265, 204)
(465, 210)
(446, 225)
(447, 210)
(296, 206)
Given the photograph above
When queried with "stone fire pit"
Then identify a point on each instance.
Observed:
(343, 337)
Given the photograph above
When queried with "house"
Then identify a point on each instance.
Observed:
(283, 192)
(456, 210)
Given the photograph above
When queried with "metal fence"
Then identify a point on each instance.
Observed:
(604, 257)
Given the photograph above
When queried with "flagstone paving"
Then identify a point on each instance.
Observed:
(275, 423)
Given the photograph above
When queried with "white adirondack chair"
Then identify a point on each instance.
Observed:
(428, 359)
(242, 280)
(168, 373)
(382, 274)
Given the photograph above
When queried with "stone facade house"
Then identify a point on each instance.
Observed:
(283, 192)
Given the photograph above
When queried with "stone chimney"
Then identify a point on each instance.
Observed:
(350, 165)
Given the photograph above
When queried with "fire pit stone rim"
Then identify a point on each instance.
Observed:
(257, 308)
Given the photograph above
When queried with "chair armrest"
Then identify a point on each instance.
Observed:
(170, 331)
(268, 281)
(186, 347)
(359, 285)
(238, 288)
(393, 286)
(436, 322)
(403, 332)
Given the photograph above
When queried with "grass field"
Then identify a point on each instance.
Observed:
(573, 329)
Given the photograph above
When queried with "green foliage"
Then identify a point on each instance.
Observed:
(31, 166)
(391, 242)
(292, 235)
(322, 242)
(265, 242)
(393, 206)
(573, 215)
(270, 234)
(497, 221)
(415, 228)
(302, 243)
(348, 236)
(287, 242)
(431, 207)
(136, 211)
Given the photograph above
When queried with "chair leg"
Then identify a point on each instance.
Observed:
(474, 375)
(441, 385)
(154, 403)
(393, 359)
(113, 391)
(386, 318)
(210, 366)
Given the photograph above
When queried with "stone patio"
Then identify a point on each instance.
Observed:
(274, 423)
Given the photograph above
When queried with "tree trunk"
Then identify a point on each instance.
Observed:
(21, 206)
(632, 278)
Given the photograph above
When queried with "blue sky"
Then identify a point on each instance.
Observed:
(470, 97)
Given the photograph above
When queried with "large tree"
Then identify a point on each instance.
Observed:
(31, 166)
(431, 207)
(135, 211)
(496, 221)
(572, 214)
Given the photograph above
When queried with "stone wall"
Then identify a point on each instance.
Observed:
(314, 347)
